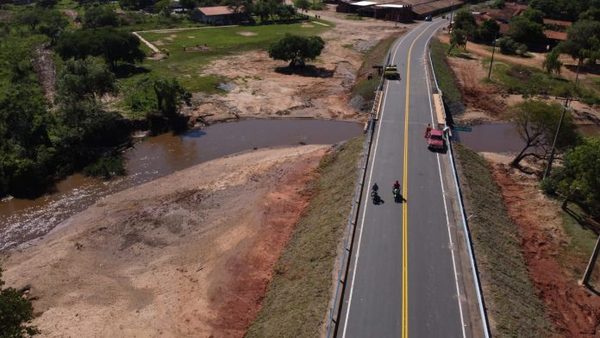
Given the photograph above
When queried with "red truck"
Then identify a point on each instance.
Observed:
(435, 140)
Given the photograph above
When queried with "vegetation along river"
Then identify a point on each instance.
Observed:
(22, 220)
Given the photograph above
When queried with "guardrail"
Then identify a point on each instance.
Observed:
(344, 262)
(473, 261)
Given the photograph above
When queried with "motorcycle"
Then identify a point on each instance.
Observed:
(397, 195)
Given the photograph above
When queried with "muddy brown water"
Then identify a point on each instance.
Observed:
(503, 137)
(22, 220)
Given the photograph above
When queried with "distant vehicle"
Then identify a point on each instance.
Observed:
(428, 18)
(435, 140)
(391, 72)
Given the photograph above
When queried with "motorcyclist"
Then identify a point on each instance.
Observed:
(428, 130)
(397, 185)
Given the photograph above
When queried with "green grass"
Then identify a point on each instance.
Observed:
(187, 66)
(520, 79)
(445, 77)
(297, 298)
(512, 304)
(374, 57)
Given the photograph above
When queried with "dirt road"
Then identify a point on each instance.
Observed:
(187, 255)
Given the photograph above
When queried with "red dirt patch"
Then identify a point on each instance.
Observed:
(238, 295)
(574, 311)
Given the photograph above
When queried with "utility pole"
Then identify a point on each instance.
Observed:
(551, 158)
(493, 51)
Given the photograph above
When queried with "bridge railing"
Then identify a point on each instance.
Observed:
(467, 236)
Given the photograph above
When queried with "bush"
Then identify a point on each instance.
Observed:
(15, 313)
(106, 167)
(511, 47)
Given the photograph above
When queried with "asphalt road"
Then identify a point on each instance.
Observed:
(402, 280)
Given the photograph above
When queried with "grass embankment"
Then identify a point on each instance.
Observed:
(512, 304)
(445, 77)
(520, 79)
(376, 56)
(297, 298)
(214, 43)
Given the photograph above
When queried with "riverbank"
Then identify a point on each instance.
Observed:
(187, 254)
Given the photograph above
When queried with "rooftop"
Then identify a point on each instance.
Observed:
(215, 10)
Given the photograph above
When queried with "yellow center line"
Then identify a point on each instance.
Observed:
(405, 194)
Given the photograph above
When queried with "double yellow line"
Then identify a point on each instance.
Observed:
(405, 194)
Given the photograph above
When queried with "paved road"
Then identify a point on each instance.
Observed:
(402, 279)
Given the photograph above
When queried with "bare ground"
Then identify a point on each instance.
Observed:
(188, 255)
(486, 102)
(574, 311)
(258, 90)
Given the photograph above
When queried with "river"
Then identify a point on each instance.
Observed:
(22, 219)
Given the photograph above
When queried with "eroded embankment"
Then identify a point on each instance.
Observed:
(189, 254)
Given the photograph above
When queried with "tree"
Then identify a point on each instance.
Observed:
(53, 24)
(297, 49)
(552, 63)
(536, 123)
(16, 312)
(562, 9)
(583, 42)
(302, 4)
(488, 31)
(499, 4)
(135, 4)
(592, 14)
(46, 3)
(84, 79)
(112, 45)
(526, 31)
(189, 4)
(458, 37)
(509, 46)
(100, 16)
(465, 21)
(534, 15)
(286, 12)
(578, 181)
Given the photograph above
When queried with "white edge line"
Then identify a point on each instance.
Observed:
(364, 211)
(462, 320)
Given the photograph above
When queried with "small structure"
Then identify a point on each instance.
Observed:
(216, 15)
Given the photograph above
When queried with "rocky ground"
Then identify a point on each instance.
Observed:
(261, 88)
(187, 255)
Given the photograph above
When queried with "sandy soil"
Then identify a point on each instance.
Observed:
(574, 311)
(258, 90)
(187, 255)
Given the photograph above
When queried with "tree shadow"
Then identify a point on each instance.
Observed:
(126, 70)
(308, 71)
(584, 222)
(584, 69)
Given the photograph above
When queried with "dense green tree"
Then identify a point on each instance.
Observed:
(499, 4)
(458, 38)
(16, 313)
(583, 41)
(465, 21)
(536, 123)
(46, 3)
(534, 15)
(563, 9)
(49, 22)
(578, 180)
(509, 46)
(302, 4)
(84, 79)
(552, 63)
(297, 49)
(592, 14)
(526, 31)
(286, 12)
(488, 31)
(100, 16)
(112, 45)
(189, 4)
(136, 4)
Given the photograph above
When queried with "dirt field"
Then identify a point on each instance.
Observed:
(486, 102)
(258, 90)
(187, 255)
(574, 311)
